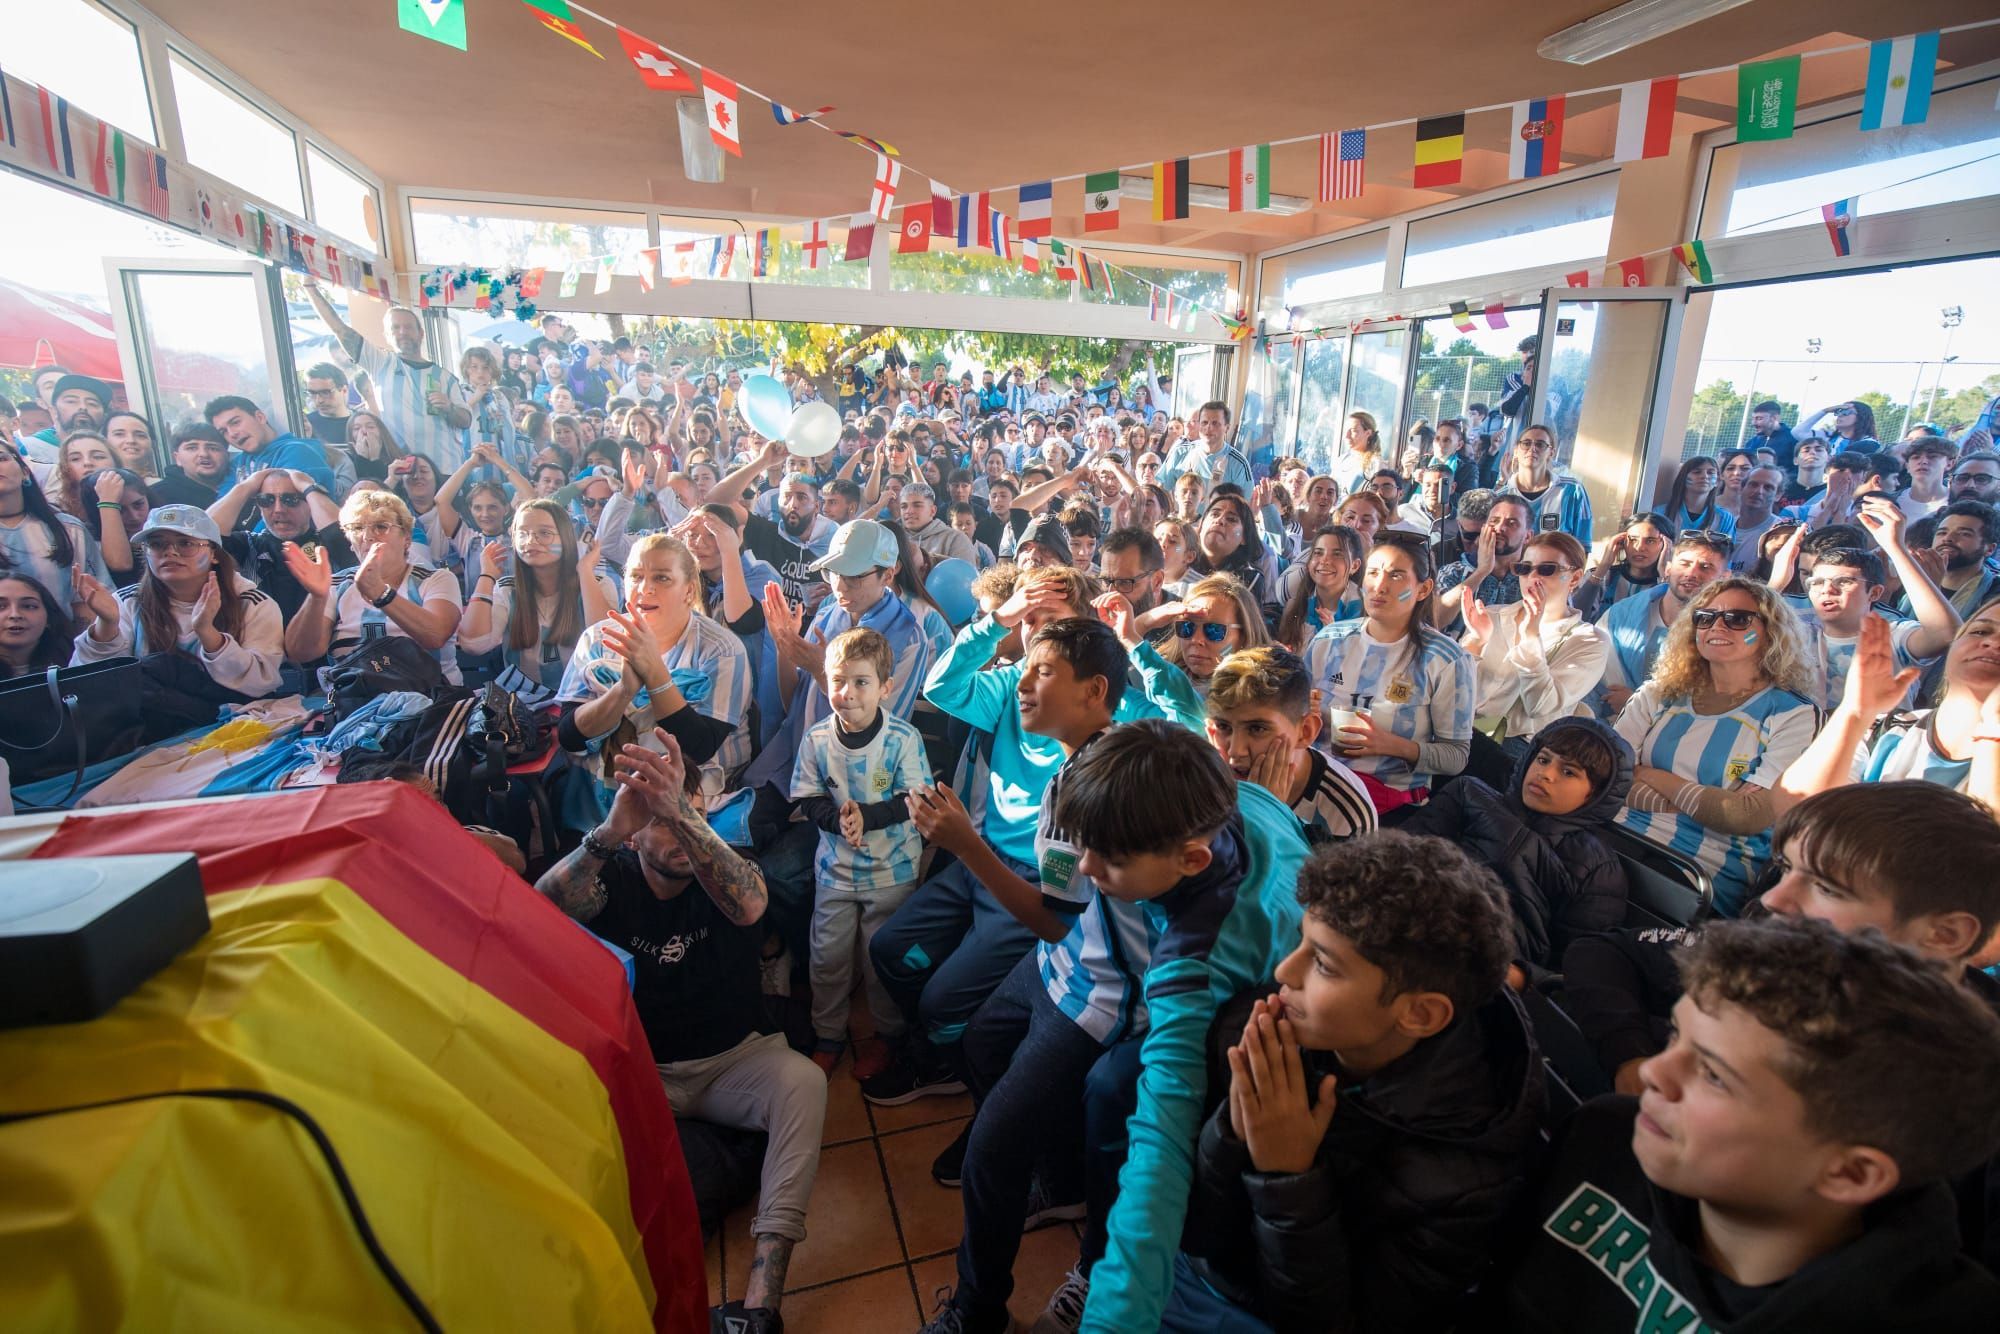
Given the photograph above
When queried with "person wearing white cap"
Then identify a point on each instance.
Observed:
(190, 601)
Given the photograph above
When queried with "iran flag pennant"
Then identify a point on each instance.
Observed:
(815, 244)
(860, 237)
(720, 94)
(914, 236)
(888, 172)
(1250, 178)
(659, 70)
(649, 264)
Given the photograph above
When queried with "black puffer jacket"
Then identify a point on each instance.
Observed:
(1395, 1220)
(1562, 880)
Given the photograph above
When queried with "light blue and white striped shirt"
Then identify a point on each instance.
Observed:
(404, 392)
(1564, 500)
(1426, 677)
(1908, 748)
(706, 652)
(1748, 745)
(1230, 464)
(1832, 656)
(892, 763)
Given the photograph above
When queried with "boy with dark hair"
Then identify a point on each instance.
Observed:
(1539, 837)
(1262, 720)
(1382, 1108)
(1783, 1167)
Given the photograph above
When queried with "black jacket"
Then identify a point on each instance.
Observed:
(1606, 1250)
(1561, 880)
(1392, 1225)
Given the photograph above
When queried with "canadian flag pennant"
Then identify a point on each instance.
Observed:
(649, 264)
(888, 172)
(659, 70)
(683, 265)
(720, 94)
(915, 233)
(1581, 278)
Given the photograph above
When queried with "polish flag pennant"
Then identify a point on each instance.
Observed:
(815, 244)
(720, 94)
(860, 237)
(1646, 119)
(888, 173)
(914, 236)
(659, 70)
(649, 264)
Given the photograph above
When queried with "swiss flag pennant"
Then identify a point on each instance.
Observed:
(916, 229)
(720, 94)
(655, 66)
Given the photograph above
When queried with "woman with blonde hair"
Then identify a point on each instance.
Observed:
(1216, 616)
(383, 595)
(1177, 548)
(82, 453)
(1361, 453)
(1727, 708)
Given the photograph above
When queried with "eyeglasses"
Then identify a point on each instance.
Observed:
(590, 503)
(381, 528)
(1213, 631)
(175, 546)
(291, 500)
(1733, 620)
(1127, 585)
(1548, 569)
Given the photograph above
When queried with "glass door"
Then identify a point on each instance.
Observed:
(1323, 364)
(191, 330)
(1599, 388)
(1194, 380)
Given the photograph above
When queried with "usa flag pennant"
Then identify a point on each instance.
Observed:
(720, 94)
(1342, 160)
(888, 172)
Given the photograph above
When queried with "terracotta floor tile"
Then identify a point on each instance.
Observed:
(849, 1229)
(736, 1250)
(1045, 1257)
(712, 1255)
(933, 1217)
(922, 1112)
(846, 1112)
(872, 1304)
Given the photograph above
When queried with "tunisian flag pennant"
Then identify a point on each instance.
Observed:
(1632, 272)
(720, 94)
(660, 70)
(915, 235)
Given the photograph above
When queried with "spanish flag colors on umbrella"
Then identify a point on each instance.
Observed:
(472, 1056)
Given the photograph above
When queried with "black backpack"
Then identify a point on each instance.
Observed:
(380, 667)
(504, 730)
(433, 741)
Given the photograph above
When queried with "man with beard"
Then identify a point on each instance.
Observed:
(1965, 538)
(1489, 570)
(1976, 477)
(423, 403)
(1132, 565)
(79, 403)
(797, 540)
(199, 472)
(1638, 624)
(280, 506)
(1755, 513)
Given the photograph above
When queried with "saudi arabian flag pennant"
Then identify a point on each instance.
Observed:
(440, 20)
(1767, 99)
(1693, 256)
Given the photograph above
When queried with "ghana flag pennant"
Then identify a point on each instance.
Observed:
(1440, 151)
(1693, 256)
(472, 1056)
(1170, 190)
(555, 16)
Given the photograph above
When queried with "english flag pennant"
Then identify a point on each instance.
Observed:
(814, 244)
(888, 172)
(659, 70)
(720, 94)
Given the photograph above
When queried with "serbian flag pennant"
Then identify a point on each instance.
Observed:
(1343, 158)
(1693, 256)
(1535, 148)
(1839, 216)
(1632, 272)
(1581, 278)
(882, 201)
(941, 216)
(815, 243)
(860, 237)
(649, 265)
(1250, 178)
(975, 220)
(1496, 315)
(866, 142)
(1152, 302)
(1461, 317)
(1035, 220)
(555, 16)
(720, 94)
(1646, 118)
(1899, 82)
(531, 283)
(915, 234)
(1100, 201)
(1440, 158)
(998, 238)
(1170, 190)
(764, 248)
(786, 116)
(1031, 255)
(658, 69)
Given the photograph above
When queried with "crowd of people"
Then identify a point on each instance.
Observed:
(1229, 829)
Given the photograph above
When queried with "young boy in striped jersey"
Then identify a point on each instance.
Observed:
(854, 769)
(1262, 720)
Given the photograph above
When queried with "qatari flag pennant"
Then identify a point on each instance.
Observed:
(860, 238)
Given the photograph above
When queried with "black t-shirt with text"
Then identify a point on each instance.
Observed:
(769, 542)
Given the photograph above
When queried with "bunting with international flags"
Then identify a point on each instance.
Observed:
(1170, 190)
(1900, 72)
(860, 238)
(567, 287)
(1086, 271)
(721, 94)
(1440, 157)
(787, 116)
(1767, 99)
(1693, 256)
(882, 200)
(764, 252)
(914, 234)
(658, 69)
(649, 263)
(1064, 259)
(1535, 147)
(975, 221)
(1031, 255)
(1496, 315)
(1250, 178)
(941, 213)
(1100, 201)
(1838, 217)
(1035, 220)
(1461, 317)
(876, 144)
(556, 17)
(1343, 159)
(998, 238)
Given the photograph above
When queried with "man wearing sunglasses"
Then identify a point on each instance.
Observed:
(268, 509)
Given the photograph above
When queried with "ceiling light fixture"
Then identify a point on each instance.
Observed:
(1628, 26)
(701, 159)
(1210, 196)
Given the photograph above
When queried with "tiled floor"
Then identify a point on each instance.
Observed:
(881, 1234)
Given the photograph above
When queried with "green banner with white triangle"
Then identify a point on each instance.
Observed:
(439, 20)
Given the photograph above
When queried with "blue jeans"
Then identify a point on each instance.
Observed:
(1195, 1308)
(946, 949)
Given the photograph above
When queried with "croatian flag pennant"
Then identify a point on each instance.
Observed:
(720, 94)
(1839, 216)
(888, 173)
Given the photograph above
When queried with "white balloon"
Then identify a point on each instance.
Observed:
(813, 430)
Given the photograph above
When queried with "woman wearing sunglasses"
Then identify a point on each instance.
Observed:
(1726, 710)
(1537, 658)
(1399, 692)
(1844, 426)
(1215, 618)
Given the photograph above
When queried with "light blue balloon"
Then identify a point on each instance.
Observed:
(767, 406)
(950, 590)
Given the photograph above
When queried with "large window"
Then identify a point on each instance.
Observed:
(1457, 369)
(1768, 186)
(1322, 363)
(343, 202)
(1375, 383)
(464, 231)
(228, 137)
(86, 54)
(1557, 224)
(1353, 266)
